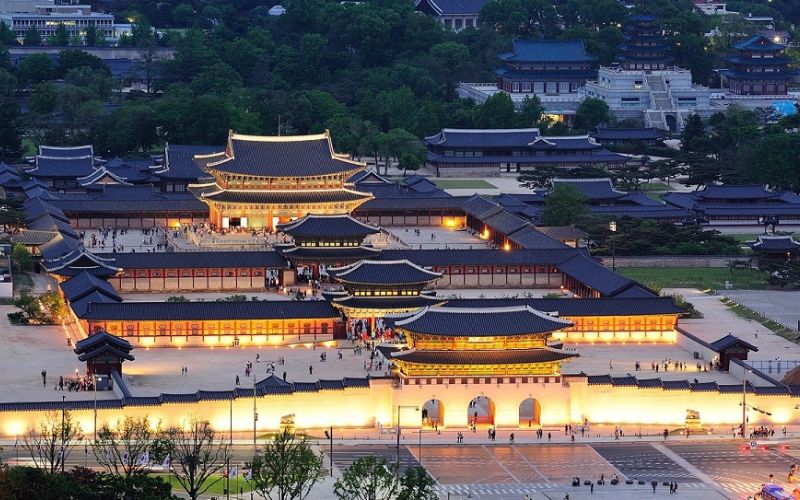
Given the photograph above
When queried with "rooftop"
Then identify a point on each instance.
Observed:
(198, 311)
(593, 189)
(547, 51)
(481, 357)
(486, 322)
(283, 156)
(383, 272)
(315, 225)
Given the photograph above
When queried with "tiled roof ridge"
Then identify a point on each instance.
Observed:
(345, 270)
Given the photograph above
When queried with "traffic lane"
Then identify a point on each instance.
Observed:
(733, 462)
(640, 461)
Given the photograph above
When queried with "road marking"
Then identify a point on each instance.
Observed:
(687, 466)
(510, 474)
(532, 465)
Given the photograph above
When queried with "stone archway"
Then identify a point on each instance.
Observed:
(481, 412)
(433, 414)
(530, 413)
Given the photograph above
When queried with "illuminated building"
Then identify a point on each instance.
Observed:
(644, 83)
(760, 67)
(454, 15)
(263, 181)
(47, 18)
(444, 341)
(379, 288)
(326, 241)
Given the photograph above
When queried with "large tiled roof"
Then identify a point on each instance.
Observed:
(776, 244)
(285, 156)
(505, 222)
(37, 208)
(445, 321)
(383, 272)
(114, 198)
(66, 151)
(406, 302)
(567, 307)
(85, 283)
(81, 305)
(735, 192)
(475, 138)
(413, 203)
(548, 51)
(450, 7)
(62, 167)
(331, 253)
(481, 257)
(598, 155)
(198, 311)
(179, 161)
(183, 260)
(314, 225)
(100, 342)
(289, 196)
(633, 134)
(481, 207)
(593, 189)
(597, 277)
(531, 237)
(481, 357)
(758, 43)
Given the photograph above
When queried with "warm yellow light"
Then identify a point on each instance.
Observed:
(450, 223)
(507, 247)
(485, 234)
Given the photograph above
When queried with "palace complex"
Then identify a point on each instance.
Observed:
(321, 243)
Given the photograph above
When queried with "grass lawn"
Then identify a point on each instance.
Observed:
(655, 186)
(697, 277)
(741, 238)
(463, 184)
(217, 489)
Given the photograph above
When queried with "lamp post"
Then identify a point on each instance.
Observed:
(255, 415)
(744, 404)
(613, 227)
(94, 385)
(63, 437)
(400, 407)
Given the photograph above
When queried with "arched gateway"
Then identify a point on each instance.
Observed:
(469, 350)
(530, 413)
(432, 414)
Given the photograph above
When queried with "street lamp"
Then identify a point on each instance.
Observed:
(94, 386)
(744, 403)
(63, 437)
(613, 227)
(400, 407)
(255, 414)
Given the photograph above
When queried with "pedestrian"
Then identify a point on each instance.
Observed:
(654, 483)
(44, 383)
(511, 438)
(237, 379)
(675, 487)
(591, 488)
(284, 376)
(549, 436)
(311, 370)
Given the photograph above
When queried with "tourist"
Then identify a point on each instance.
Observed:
(237, 379)
(44, 383)
(511, 438)
(311, 370)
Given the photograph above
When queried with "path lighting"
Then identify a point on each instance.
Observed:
(613, 227)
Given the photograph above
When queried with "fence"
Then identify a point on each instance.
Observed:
(778, 366)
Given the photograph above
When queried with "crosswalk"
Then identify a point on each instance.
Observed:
(517, 491)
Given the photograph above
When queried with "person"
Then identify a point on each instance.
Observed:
(311, 370)
(591, 488)
(44, 383)
(237, 379)
(511, 438)
(654, 483)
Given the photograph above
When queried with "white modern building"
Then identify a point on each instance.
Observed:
(644, 84)
(47, 18)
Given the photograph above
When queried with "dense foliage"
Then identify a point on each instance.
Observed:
(366, 70)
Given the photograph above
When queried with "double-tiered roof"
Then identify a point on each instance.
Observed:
(333, 239)
(446, 341)
(259, 179)
(377, 288)
(759, 67)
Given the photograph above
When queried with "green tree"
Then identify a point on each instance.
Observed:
(22, 257)
(287, 468)
(60, 37)
(183, 14)
(368, 478)
(93, 37)
(176, 298)
(450, 58)
(563, 206)
(417, 484)
(496, 112)
(10, 129)
(35, 68)
(592, 112)
(32, 37)
(7, 36)
(530, 112)
(410, 161)
(56, 307)
(69, 59)
(43, 98)
(693, 135)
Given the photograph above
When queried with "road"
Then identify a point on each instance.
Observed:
(702, 469)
